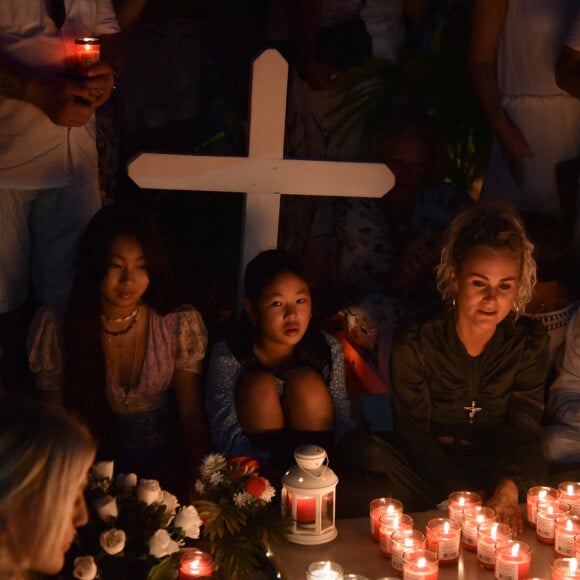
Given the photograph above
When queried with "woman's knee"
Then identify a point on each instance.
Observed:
(307, 401)
(258, 403)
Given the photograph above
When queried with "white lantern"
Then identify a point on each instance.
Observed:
(308, 497)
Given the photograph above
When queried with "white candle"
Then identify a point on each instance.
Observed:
(324, 571)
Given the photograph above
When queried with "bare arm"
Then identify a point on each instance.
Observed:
(568, 71)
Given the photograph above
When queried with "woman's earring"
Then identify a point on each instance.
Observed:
(453, 303)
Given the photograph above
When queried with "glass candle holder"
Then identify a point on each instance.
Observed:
(565, 569)
(547, 513)
(355, 577)
(420, 565)
(444, 538)
(88, 52)
(403, 541)
(460, 501)
(570, 493)
(577, 546)
(471, 520)
(536, 494)
(326, 570)
(388, 523)
(195, 564)
(566, 528)
(488, 535)
(380, 506)
(512, 560)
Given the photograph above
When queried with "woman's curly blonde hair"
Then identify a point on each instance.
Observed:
(496, 226)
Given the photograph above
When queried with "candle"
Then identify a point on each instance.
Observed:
(420, 565)
(570, 493)
(488, 535)
(324, 571)
(536, 494)
(459, 501)
(402, 541)
(565, 569)
(443, 538)
(471, 520)
(88, 52)
(547, 512)
(195, 564)
(577, 546)
(566, 528)
(388, 523)
(305, 509)
(378, 507)
(355, 577)
(512, 560)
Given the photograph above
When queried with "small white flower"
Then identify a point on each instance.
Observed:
(216, 478)
(212, 463)
(149, 491)
(102, 470)
(113, 541)
(85, 568)
(106, 507)
(170, 502)
(161, 545)
(200, 487)
(243, 499)
(188, 520)
(269, 493)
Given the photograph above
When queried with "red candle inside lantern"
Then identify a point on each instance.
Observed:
(443, 538)
(512, 559)
(380, 506)
(195, 564)
(88, 52)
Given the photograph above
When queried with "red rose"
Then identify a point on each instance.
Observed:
(256, 486)
(242, 465)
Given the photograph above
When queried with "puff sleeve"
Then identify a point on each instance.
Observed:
(191, 340)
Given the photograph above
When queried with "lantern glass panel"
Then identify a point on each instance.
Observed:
(327, 510)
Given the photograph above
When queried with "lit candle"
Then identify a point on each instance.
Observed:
(88, 52)
(420, 565)
(566, 528)
(305, 509)
(459, 501)
(443, 538)
(547, 512)
(536, 494)
(570, 493)
(380, 506)
(471, 520)
(577, 546)
(488, 535)
(195, 564)
(324, 571)
(565, 569)
(512, 560)
(388, 523)
(403, 541)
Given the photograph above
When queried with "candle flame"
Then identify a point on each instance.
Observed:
(446, 528)
(422, 563)
(569, 525)
(327, 567)
(542, 494)
(480, 518)
(570, 489)
(461, 501)
(573, 564)
(515, 549)
(390, 509)
(550, 509)
(493, 531)
(408, 542)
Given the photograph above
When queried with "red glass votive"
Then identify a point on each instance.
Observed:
(88, 52)
(380, 506)
(512, 560)
(471, 520)
(488, 535)
(460, 501)
(420, 565)
(577, 546)
(195, 564)
(546, 515)
(536, 494)
(402, 541)
(570, 493)
(443, 539)
(565, 569)
(389, 523)
(566, 528)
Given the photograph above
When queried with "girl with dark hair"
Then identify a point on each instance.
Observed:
(277, 382)
(122, 352)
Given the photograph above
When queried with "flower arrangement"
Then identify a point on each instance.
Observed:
(240, 522)
(136, 529)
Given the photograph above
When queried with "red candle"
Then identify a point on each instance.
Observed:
(443, 538)
(88, 52)
(195, 564)
(471, 520)
(488, 535)
(305, 508)
(547, 513)
(512, 560)
(566, 528)
(380, 506)
(403, 541)
(461, 500)
(570, 493)
(420, 565)
(389, 523)
(536, 494)
(565, 569)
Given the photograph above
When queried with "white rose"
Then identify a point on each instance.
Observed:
(130, 481)
(149, 491)
(106, 507)
(85, 568)
(113, 541)
(189, 521)
(102, 470)
(170, 502)
(161, 544)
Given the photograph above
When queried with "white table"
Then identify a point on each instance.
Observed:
(357, 553)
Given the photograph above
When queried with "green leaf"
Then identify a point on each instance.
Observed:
(167, 569)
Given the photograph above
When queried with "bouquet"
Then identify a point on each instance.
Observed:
(135, 528)
(239, 520)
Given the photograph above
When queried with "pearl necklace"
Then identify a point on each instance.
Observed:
(128, 328)
(125, 318)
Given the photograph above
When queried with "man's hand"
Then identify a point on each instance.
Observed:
(505, 503)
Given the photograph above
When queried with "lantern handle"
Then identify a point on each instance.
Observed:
(324, 467)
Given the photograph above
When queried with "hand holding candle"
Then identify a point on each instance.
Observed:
(88, 52)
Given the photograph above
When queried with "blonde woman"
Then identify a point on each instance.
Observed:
(45, 455)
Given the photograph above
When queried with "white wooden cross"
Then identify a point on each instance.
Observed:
(264, 174)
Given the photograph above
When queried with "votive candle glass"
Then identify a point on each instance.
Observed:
(472, 518)
(195, 564)
(403, 541)
(488, 535)
(570, 493)
(444, 538)
(565, 569)
(512, 560)
(566, 528)
(458, 501)
(380, 506)
(420, 565)
(548, 512)
(536, 494)
(388, 523)
(324, 570)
